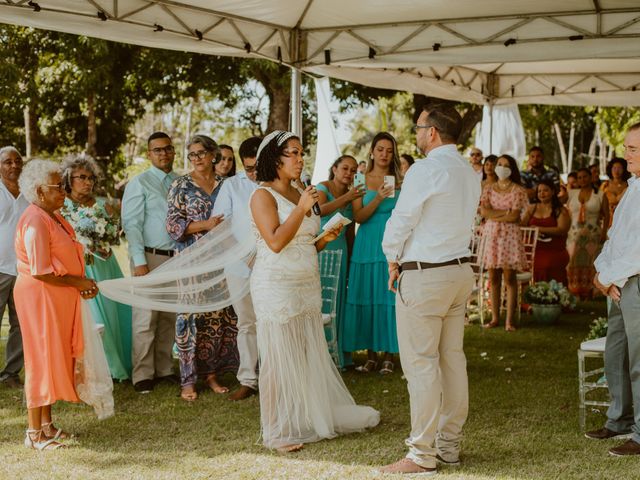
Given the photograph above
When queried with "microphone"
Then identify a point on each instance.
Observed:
(305, 178)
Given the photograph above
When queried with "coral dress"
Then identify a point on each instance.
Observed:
(50, 315)
(503, 241)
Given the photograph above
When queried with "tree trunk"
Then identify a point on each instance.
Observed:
(279, 102)
(30, 132)
(563, 152)
(92, 128)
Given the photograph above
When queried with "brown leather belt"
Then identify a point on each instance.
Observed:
(157, 251)
(423, 266)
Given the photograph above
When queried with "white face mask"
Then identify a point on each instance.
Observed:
(502, 172)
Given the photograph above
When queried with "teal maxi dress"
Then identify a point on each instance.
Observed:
(115, 317)
(340, 244)
(370, 321)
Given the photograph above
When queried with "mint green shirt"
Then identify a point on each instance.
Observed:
(144, 213)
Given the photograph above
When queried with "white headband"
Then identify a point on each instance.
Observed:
(280, 135)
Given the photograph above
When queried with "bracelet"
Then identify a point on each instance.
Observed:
(87, 292)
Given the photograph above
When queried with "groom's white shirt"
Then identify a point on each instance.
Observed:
(233, 203)
(432, 221)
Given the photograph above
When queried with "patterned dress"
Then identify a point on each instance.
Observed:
(503, 241)
(584, 241)
(206, 341)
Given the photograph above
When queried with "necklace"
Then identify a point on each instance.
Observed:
(502, 186)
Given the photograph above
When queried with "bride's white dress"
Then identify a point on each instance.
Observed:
(302, 396)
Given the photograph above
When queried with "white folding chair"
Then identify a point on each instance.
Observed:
(479, 292)
(530, 241)
(330, 262)
(588, 380)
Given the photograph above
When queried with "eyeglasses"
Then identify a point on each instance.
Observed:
(57, 186)
(417, 127)
(168, 150)
(631, 150)
(199, 154)
(250, 168)
(85, 178)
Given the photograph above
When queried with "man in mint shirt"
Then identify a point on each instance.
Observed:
(144, 213)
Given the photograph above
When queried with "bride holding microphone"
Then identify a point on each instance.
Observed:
(302, 396)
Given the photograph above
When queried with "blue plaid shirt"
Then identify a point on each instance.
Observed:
(531, 179)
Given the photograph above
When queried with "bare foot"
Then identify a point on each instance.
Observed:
(215, 386)
(291, 448)
(510, 328)
(188, 393)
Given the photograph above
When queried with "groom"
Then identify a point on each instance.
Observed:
(426, 242)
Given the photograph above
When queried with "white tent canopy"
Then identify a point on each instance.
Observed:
(571, 52)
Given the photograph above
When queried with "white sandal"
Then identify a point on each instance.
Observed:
(48, 444)
(59, 435)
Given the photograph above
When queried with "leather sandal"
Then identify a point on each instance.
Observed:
(33, 440)
(387, 367)
(50, 431)
(369, 366)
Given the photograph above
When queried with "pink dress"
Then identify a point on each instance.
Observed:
(503, 241)
(49, 315)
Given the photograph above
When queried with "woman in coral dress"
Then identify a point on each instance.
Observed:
(47, 294)
(501, 206)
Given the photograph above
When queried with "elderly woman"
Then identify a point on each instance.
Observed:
(206, 341)
(48, 289)
(79, 176)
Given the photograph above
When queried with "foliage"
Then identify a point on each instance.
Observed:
(598, 329)
(549, 293)
(614, 122)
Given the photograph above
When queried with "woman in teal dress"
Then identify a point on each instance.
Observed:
(79, 176)
(370, 317)
(336, 196)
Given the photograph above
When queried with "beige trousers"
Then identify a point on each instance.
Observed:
(153, 336)
(430, 307)
(247, 339)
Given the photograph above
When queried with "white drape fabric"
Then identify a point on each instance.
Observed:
(93, 379)
(508, 132)
(327, 148)
(193, 281)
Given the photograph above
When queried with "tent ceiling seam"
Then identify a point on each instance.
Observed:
(176, 18)
(456, 33)
(476, 19)
(218, 22)
(513, 27)
(325, 44)
(363, 40)
(239, 32)
(133, 12)
(416, 32)
(304, 14)
(266, 40)
(623, 26)
(569, 26)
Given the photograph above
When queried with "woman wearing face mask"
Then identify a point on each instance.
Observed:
(501, 205)
(589, 220)
(335, 196)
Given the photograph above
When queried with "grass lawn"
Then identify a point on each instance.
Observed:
(523, 424)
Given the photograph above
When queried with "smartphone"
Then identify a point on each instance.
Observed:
(359, 181)
(390, 180)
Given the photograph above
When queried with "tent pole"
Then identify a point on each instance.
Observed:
(296, 102)
(491, 128)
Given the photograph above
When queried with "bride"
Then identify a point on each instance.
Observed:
(302, 396)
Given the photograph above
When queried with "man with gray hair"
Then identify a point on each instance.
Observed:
(12, 204)
(144, 214)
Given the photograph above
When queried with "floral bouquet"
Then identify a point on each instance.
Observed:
(549, 293)
(598, 328)
(95, 229)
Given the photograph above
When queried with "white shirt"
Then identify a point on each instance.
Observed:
(11, 209)
(233, 203)
(620, 256)
(434, 217)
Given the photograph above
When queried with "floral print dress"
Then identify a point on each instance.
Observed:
(503, 241)
(206, 341)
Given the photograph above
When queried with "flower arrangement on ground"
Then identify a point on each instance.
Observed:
(550, 293)
(598, 329)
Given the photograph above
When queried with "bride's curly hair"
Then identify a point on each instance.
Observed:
(269, 159)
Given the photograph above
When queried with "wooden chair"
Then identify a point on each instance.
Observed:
(479, 293)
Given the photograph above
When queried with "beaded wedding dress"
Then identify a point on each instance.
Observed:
(302, 396)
